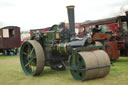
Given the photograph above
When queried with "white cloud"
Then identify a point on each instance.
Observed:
(32, 14)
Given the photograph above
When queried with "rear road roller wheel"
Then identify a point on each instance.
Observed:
(94, 64)
(32, 57)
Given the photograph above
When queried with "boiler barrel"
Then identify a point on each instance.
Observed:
(96, 64)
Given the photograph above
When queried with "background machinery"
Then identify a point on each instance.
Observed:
(111, 32)
(59, 49)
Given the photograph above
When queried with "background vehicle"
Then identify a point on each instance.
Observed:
(113, 34)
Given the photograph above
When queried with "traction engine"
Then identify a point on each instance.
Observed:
(59, 49)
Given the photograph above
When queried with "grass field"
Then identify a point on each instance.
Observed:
(12, 74)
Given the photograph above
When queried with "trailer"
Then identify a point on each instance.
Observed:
(9, 39)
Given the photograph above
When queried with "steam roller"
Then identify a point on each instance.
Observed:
(60, 49)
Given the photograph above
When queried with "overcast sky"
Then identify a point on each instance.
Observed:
(34, 14)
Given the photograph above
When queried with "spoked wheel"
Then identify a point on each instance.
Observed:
(32, 57)
(88, 63)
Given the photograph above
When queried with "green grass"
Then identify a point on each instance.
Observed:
(12, 74)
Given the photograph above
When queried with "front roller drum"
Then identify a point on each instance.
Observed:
(32, 57)
(90, 65)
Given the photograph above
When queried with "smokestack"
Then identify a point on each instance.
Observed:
(127, 18)
(71, 19)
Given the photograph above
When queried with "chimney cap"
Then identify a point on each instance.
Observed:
(71, 6)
